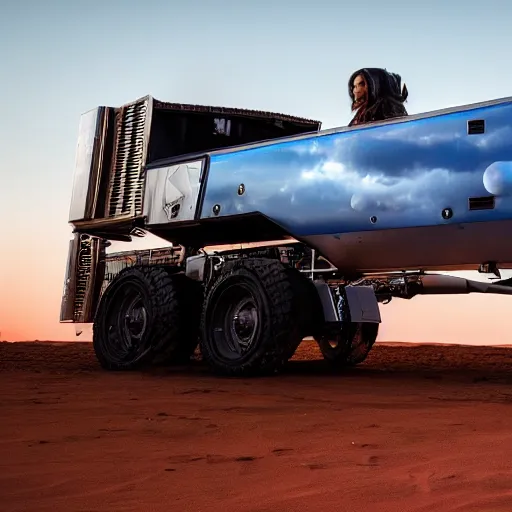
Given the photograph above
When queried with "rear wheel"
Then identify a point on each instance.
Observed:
(310, 314)
(351, 345)
(250, 319)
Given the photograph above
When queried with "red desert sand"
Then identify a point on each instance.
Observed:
(414, 428)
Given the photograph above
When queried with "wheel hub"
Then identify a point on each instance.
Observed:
(244, 322)
(135, 319)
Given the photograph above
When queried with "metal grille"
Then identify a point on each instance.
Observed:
(127, 180)
(84, 267)
(116, 262)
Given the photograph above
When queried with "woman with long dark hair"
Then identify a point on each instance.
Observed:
(376, 95)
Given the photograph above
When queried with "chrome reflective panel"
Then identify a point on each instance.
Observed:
(172, 192)
(86, 153)
(398, 175)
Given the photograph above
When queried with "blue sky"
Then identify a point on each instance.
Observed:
(61, 58)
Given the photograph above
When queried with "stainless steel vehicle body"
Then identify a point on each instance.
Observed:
(376, 206)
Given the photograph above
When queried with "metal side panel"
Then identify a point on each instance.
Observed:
(84, 278)
(172, 192)
(420, 172)
(67, 305)
(450, 247)
(87, 155)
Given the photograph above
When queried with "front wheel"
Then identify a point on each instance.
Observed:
(249, 322)
(141, 317)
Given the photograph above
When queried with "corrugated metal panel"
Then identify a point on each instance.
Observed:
(127, 178)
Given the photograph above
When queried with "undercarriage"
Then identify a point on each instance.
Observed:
(247, 309)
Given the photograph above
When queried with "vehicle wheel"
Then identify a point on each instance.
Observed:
(310, 313)
(351, 346)
(139, 315)
(249, 322)
(189, 301)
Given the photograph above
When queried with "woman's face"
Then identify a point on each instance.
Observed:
(359, 89)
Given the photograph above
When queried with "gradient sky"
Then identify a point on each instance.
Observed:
(61, 58)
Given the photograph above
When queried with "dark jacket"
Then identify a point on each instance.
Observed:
(386, 96)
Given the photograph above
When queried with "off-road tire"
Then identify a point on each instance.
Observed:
(268, 284)
(165, 320)
(188, 295)
(347, 354)
(310, 314)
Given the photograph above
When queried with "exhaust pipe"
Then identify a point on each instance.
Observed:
(437, 284)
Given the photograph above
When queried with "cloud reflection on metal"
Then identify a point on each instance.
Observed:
(385, 176)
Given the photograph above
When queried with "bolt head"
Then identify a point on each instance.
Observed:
(447, 213)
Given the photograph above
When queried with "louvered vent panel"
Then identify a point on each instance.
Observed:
(84, 266)
(125, 192)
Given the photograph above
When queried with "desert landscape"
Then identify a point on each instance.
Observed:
(414, 428)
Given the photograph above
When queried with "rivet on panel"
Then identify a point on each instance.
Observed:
(447, 213)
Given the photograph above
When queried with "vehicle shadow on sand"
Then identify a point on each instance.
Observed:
(470, 364)
(374, 369)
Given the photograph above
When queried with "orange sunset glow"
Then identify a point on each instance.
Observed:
(31, 309)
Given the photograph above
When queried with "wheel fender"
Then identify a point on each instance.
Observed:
(363, 304)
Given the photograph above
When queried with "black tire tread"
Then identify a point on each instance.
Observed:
(166, 329)
(279, 330)
(345, 358)
(370, 333)
(307, 304)
(186, 317)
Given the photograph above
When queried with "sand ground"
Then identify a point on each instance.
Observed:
(415, 428)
